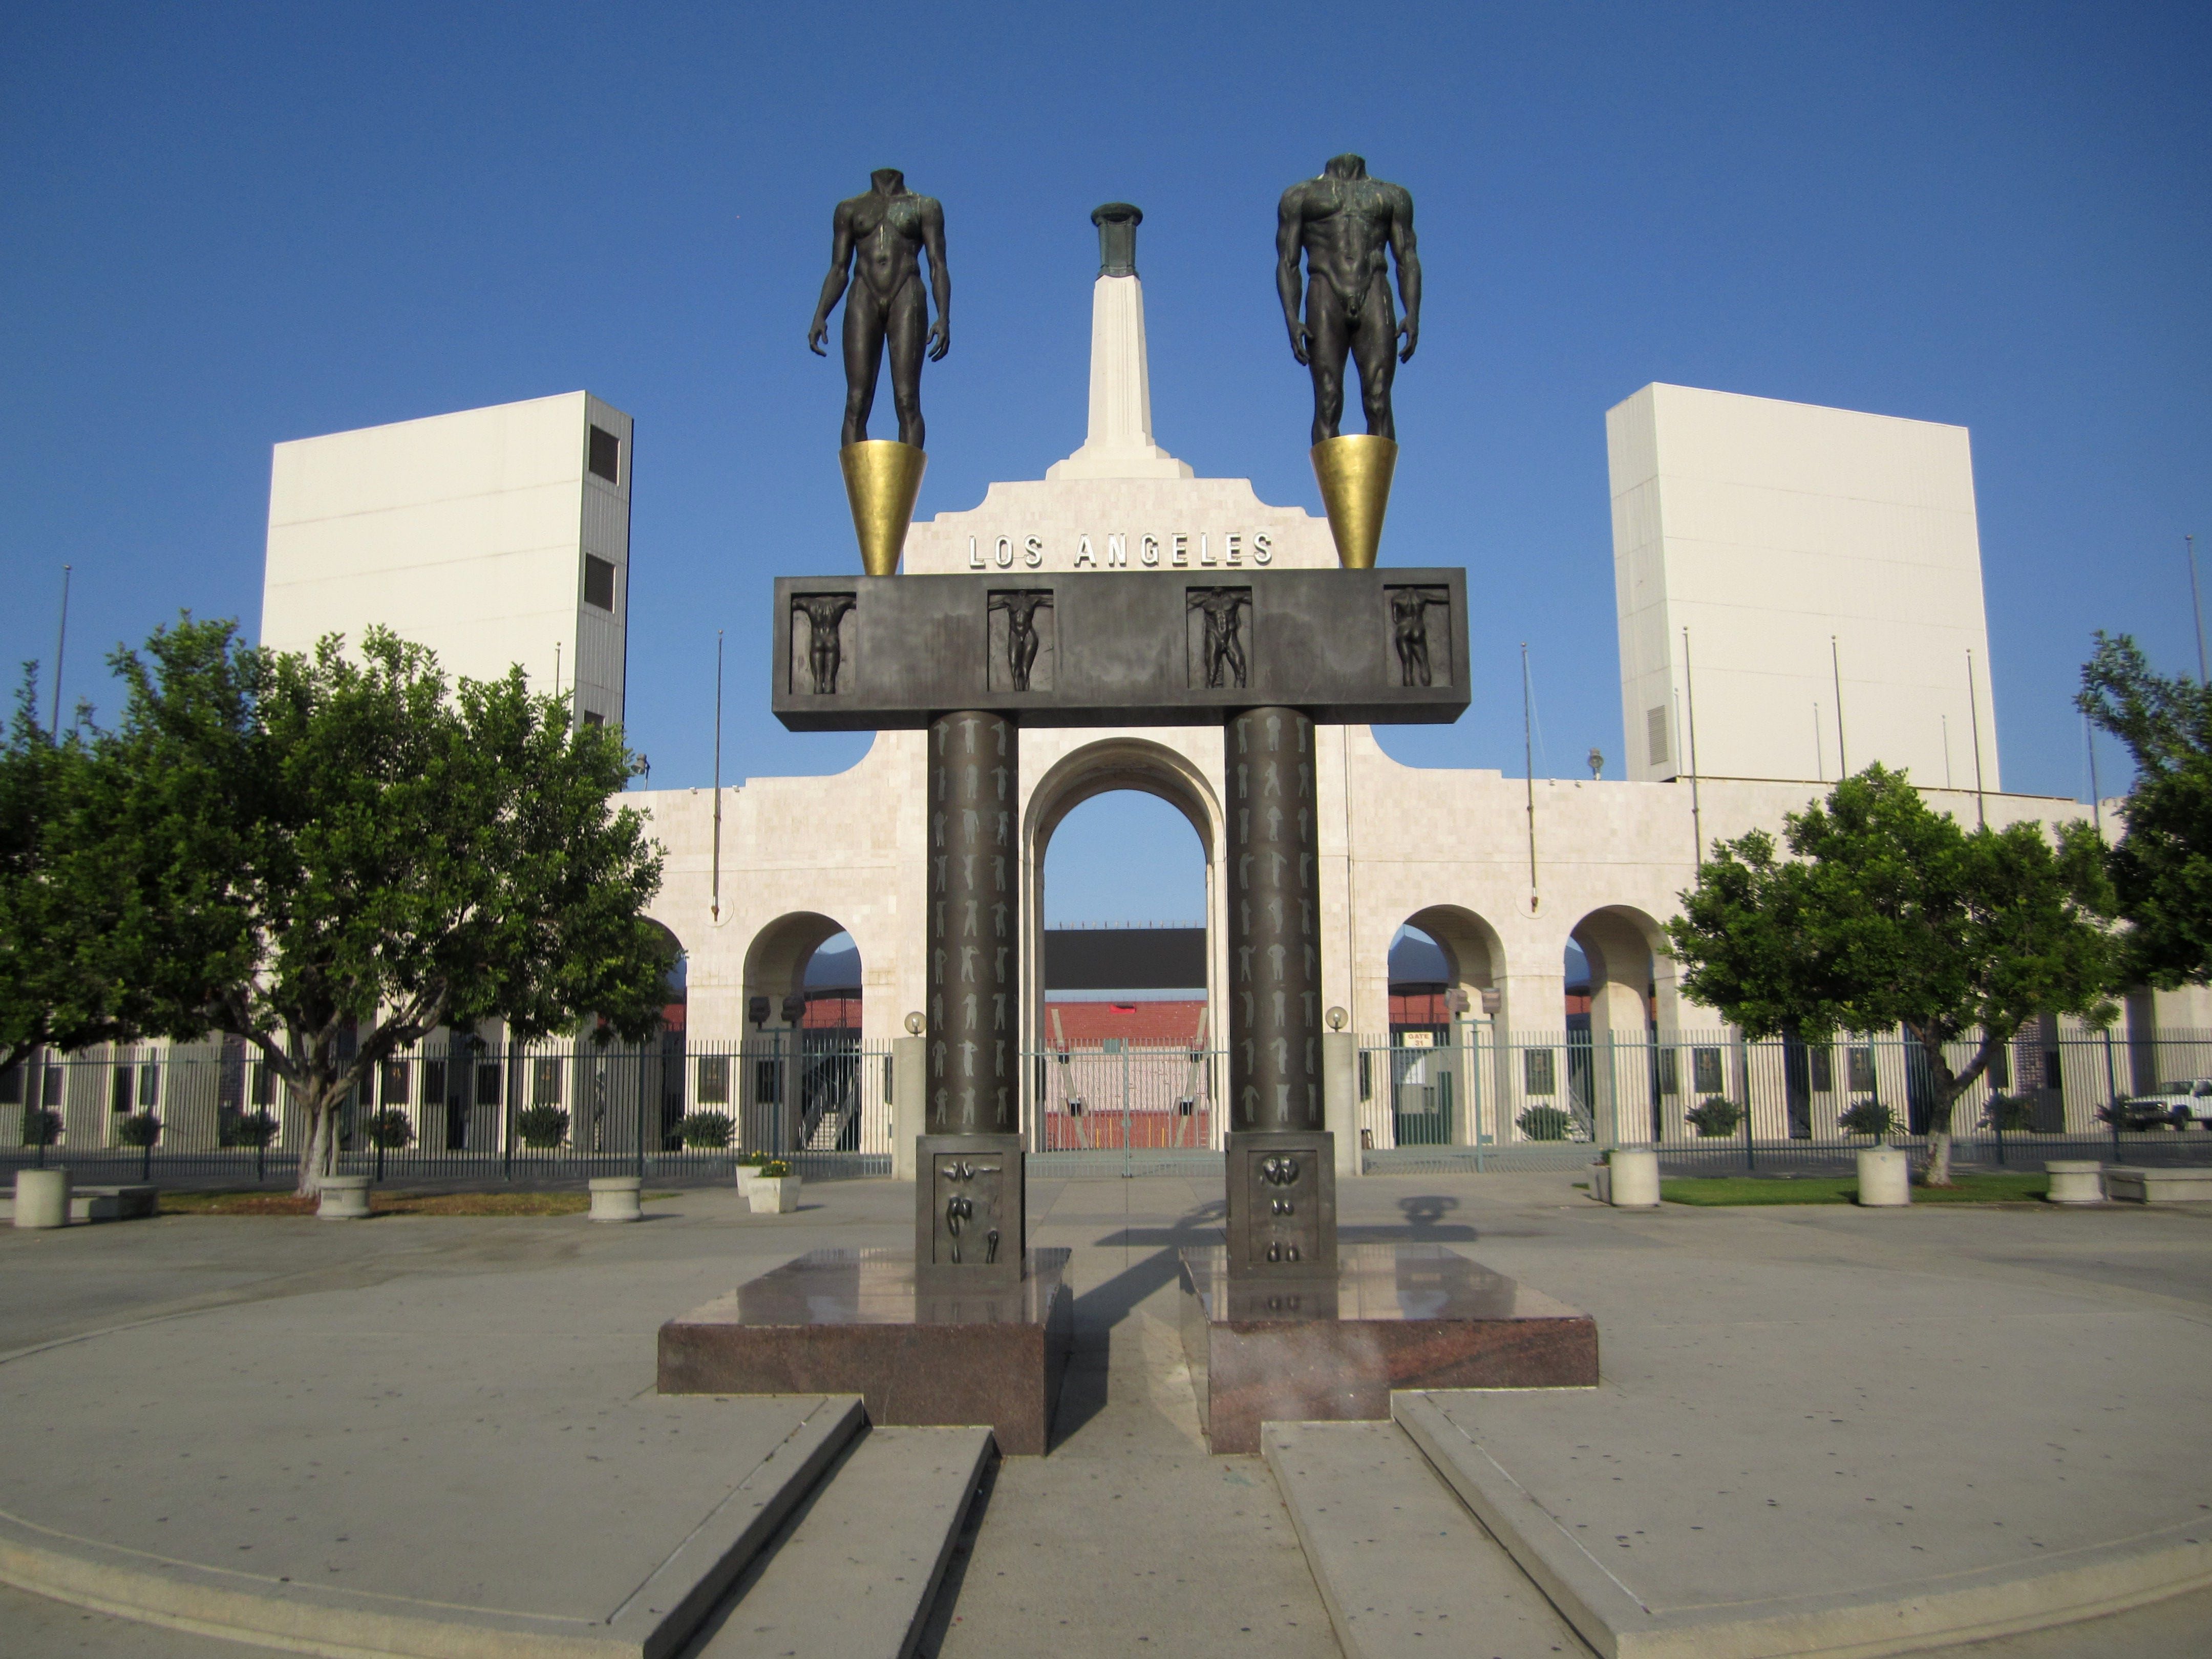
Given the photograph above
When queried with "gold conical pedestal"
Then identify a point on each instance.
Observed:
(1355, 472)
(883, 478)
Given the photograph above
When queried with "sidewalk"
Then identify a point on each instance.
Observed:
(422, 1398)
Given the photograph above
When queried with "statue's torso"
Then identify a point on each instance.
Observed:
(886, 236)
(1345, 228)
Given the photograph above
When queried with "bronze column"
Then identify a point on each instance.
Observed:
(1282, 1176)
(968, 1218)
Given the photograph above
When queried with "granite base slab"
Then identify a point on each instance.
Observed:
(856, 1322)
(1392, 1316)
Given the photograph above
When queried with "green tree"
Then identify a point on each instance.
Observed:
(1891, 914)
(57, 988)
(331, 856)
(2162, 867)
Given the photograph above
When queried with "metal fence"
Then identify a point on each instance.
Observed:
(1474, 1098)
(459, 1108)
(1115, 1106)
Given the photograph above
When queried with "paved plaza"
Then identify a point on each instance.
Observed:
(461, 1412)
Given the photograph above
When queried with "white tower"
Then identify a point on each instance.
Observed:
(1120, 442)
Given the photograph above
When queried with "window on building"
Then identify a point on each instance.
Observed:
(714, 1079)
(149, 1084)
(119, 1096)
(1538, 1073)
(606, 459)
(1705, 1071)
(395, 1083)
(49, 1085)
(545, 1083)
(592, 717)
(11, 1084)
(599, 582)
(1655, 734)
(488, 1082)
(1823, 1066)
(1861, 1071)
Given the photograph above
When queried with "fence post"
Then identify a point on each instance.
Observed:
(2111, 1093)
(513, 1083)
(1743, 1049)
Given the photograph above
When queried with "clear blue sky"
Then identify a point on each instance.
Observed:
(226, 226)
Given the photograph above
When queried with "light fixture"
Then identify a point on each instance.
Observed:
(913, 1024)
(1336, 1018)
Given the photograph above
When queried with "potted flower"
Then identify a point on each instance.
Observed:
(774, 1190)
(1884, 1180)
(748, 1168)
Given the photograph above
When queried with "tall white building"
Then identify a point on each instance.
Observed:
(493, 536)
(1827, 567)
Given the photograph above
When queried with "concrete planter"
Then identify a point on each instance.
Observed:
(617, 1198)
(1600, 1182)
(42, 1198)
(773, 1194)
(1635, 1178)
(2173, 1185)
(748, 1174)
(345, 1197)
(2074, 1181)
(1885, 1177)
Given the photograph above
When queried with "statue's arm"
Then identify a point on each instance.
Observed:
(1406, 249)
(1290, 224)
(833, 285)
(940, 278)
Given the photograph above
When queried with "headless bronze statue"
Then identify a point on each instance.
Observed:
(878, 238)
(1348, 226)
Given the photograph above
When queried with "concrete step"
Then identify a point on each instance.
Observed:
(854, 1577)
(1403, 1569)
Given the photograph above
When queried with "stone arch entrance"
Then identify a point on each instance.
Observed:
(1087, 771)
(798, 1076)
(1620, 1076)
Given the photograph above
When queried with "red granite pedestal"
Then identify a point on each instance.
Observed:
(1392, 1316)
(855, 1321)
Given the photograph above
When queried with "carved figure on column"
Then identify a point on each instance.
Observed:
(825, 647)
(1223, 650)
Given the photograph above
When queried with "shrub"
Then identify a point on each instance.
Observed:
(1869, 1117)
(1714, 1117)
(707, 1129)
(140, 1129)
(390, 1129)
(542, 1127)
(774, 1168)
(41, 1128)
(2009, 1115)
(255, 1129)
(1543, 1123)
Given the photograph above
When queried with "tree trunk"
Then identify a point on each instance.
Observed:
(317, 1158)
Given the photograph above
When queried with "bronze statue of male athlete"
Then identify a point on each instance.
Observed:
(1342, 223)
(883, 231)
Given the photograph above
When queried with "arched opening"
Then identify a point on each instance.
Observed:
(1123, 1015)
(796, 1086)
(1425, 1087)
(1620, 1079)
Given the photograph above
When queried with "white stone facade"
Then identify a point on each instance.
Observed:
(1802, 549)
(493, 535)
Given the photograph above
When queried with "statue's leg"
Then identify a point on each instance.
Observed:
(907, 323)
(1375, 348)
(864, 356)
(1329, 338)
